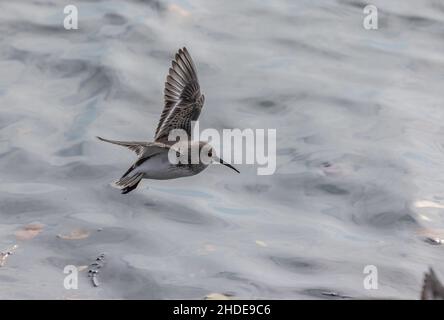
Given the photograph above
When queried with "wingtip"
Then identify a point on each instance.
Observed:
(180, 52)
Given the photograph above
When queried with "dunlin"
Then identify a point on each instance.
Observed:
(183, 103)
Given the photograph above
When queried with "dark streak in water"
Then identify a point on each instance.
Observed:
(297, 264)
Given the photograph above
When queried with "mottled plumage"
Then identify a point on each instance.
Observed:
(183, 103)
(183, 100)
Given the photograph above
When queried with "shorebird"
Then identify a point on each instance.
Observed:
(183, 103)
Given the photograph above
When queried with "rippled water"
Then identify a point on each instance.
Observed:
(359, 117)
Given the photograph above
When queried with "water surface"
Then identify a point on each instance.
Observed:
(359, 118)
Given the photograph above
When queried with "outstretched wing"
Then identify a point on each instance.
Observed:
(183, 100)
(142, 149)
(137, 147)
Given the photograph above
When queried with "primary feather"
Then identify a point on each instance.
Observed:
(182, 98)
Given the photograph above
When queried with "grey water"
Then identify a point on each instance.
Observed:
(359, 117)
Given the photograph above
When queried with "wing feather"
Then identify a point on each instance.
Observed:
(182, 97)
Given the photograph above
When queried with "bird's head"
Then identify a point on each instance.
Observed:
(208, 155)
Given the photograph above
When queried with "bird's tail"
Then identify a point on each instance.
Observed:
(129, 183)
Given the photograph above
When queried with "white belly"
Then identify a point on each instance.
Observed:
(159, 167)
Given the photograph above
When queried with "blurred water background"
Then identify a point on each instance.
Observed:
(360, 149)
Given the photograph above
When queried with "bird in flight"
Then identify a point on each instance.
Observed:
(183, 103)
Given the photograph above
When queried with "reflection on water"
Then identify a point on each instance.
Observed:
(359, 124)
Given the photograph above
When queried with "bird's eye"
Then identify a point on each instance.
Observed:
(210, 154)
